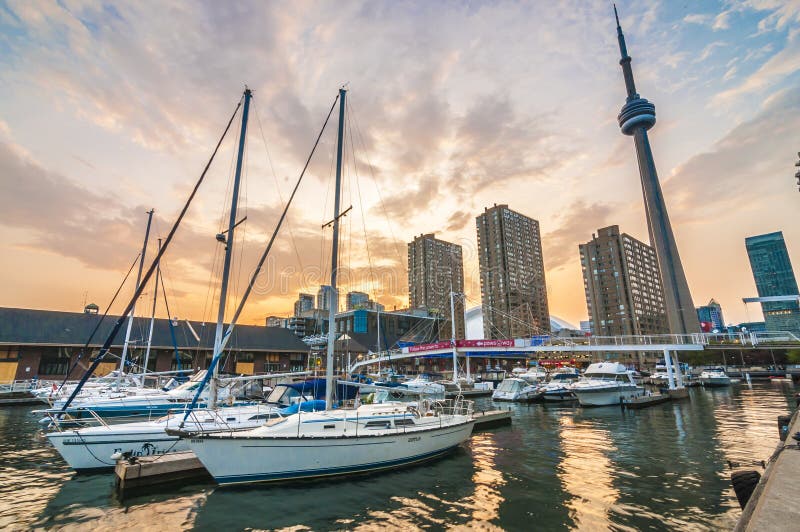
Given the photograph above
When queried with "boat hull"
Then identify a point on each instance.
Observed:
(715, 382)
(559, 396)
(240, 460)
(93, 452)
(605, 396)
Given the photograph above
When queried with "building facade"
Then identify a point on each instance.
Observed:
(435, 269)
(46, 344)
(710, 317)
(774, 276)
(304, 302)
(355, 300)
(622, 283)
(324, 298)
(513, 288)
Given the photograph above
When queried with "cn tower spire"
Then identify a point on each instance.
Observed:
(635, 119)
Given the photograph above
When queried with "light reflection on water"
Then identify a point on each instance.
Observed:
(557, 467)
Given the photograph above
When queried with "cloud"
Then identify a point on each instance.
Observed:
(574, 226)
(750, 161)
(458, 220)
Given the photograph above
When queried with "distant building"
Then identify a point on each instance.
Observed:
(586, 326)
(276, 321)
(513, 289)
(710, 317)
(304, 302)
(622, 285)
(774, 276)
(355, 300)
(324, 298)
(435, 269)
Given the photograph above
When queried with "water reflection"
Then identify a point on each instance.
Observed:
(586, 472)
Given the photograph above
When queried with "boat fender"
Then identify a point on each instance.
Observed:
(744, 482)
(229, 400)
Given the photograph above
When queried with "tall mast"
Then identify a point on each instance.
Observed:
(329, 383)
(133, 307)
(227, 239)
(453, 331)
(153, 314)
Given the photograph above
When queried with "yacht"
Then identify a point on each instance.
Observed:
(372, 437)
(517, 389)
(558, 387)
(606, 383)
(426, 383)
(714, 377)
(534, 374)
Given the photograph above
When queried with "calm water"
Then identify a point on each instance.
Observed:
(554, 468)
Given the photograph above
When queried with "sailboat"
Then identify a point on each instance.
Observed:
(337, 440)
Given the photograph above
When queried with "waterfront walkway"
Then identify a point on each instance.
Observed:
(774, 505)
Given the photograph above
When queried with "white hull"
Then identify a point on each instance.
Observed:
(606, 396)
(335, 442)
(519, 397)
(715, 381)
(91, 448)
(243, 460)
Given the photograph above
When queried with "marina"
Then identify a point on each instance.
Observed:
(661, 467)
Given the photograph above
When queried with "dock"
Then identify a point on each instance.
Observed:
(773, 504)
(491, 419)
(643, 401)
(159, 469)
(19, 401)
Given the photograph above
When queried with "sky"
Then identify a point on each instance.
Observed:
(110, 109)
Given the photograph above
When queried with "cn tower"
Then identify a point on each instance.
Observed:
(636, 117)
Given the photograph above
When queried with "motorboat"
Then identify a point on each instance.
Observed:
(426, 383)
(558, 387)
(518, 390)
(605, 383)
(714, 377)
(534, 374)
(371, 437)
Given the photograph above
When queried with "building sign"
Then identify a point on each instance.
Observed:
(428, 347)
(485, 343)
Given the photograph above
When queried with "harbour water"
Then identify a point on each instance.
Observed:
(557, 467)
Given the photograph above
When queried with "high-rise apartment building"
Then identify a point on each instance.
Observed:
(304, 302)
(710, 317)
(774, 276)
(622, 282)
(513, 289)
(435, 269)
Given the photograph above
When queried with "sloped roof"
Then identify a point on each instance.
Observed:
(48, 327)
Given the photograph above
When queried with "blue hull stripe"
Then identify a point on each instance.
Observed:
(324, 472)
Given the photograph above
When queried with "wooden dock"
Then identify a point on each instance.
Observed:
(19, 401)
(491, 419)
(643, 401)
(160, 469)
(773, 504)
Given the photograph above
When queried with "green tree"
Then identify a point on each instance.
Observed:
(793, 356)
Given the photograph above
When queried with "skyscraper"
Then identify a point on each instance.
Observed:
(436, 268)
(324, 298)
(636, 117)
(513, 289)
(623, 288)
(304, 302)
(774, 276)
(710, 317)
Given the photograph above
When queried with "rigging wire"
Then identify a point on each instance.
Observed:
(99, 322)
(118, 324)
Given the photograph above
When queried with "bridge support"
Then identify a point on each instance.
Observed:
(668, 363)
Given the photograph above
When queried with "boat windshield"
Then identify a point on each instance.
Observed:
(608, 376)
(509, 386)
(284, 396)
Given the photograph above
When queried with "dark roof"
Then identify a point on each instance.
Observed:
(48, 327)
(364, 342)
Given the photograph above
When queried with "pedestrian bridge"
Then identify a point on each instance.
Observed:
(590, 344)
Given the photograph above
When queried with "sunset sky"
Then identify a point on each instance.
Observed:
(110, 109)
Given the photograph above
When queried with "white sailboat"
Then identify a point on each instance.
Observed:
(335, 441)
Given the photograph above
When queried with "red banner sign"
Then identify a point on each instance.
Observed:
(484, 343)
(428, 347)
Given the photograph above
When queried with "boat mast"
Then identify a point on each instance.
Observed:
(153, 314)
(329, 383)
(133, 306)
(227, 239)
(379, 338)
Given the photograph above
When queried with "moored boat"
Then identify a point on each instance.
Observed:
(605, 383)
(714, 377)
(518, 390)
